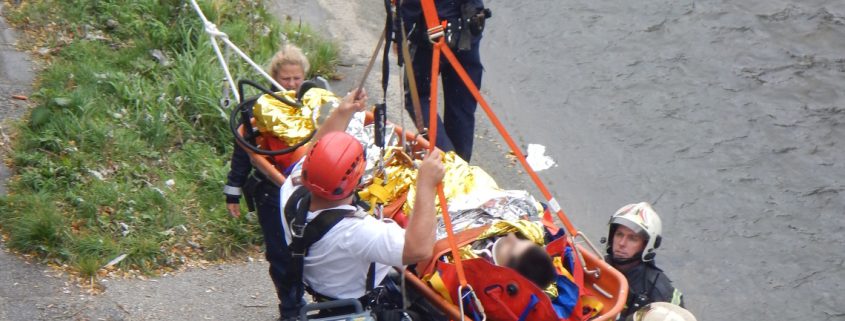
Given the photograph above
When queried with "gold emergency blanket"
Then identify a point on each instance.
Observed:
(460, 179)
(533, 231)
(400, 177)
(288, 123)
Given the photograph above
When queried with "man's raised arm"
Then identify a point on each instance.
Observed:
(419, 234)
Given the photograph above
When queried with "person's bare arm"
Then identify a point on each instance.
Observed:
(419, 235)
(339, 119)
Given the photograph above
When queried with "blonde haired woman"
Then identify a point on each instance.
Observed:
(288, 67)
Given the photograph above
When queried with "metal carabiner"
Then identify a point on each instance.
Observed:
(379, 211)
(475, 299)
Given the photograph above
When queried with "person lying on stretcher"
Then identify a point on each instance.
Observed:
(511, 240)
(487, 245)
(514, 251)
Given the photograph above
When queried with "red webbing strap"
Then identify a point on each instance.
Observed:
(459, 69)
(432, 139)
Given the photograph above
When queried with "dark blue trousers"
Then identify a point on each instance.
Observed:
(456, 128)
(276, 253)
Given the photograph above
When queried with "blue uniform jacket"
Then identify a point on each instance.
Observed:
(238, 173)
(411, 12)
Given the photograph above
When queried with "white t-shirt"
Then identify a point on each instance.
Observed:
(337, 264)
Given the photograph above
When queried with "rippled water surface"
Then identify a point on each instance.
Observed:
(730, 115)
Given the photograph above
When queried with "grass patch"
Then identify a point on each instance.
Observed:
(125, 150)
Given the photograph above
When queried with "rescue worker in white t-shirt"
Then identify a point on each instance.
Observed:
(337, 265)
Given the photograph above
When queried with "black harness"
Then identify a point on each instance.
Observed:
(641, 293)
(305, 234)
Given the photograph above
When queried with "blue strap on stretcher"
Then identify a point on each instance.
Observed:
(531, 304)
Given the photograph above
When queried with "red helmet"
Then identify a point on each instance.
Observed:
(334, 166)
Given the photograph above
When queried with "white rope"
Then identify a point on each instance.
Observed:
(216, 34)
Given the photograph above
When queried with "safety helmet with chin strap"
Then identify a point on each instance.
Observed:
(334, 166)
(643, 220)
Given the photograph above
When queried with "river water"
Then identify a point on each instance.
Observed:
(728, 115)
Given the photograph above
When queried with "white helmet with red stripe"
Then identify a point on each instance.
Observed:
(642, 219)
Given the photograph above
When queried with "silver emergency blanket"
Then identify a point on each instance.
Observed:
(485, 207)
(356, 129)
(366, 135)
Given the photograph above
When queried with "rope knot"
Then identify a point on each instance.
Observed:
(212, 30)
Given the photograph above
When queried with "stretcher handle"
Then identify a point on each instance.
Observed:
(595, 272)
(255, 85)
(303, 313)
(242, 109)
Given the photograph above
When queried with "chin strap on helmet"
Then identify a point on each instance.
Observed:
(641, 218)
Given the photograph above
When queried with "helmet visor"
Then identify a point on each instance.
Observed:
(637, 228)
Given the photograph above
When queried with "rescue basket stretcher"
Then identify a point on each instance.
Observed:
(502, 292)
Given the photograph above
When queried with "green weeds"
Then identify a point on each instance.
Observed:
(126, 149)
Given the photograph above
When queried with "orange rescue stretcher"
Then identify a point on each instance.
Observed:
(502, 293)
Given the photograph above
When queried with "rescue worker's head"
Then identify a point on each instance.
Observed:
(661, 311)
(334, 166)
(634, 234)
(289, 67)
(526, 257)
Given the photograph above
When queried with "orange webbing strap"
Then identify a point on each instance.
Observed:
(549, 223)
(432, 139)
(553, 204)
(434, 24)
(432, 21)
